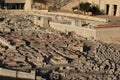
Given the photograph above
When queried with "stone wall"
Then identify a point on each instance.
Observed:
(45, 12)
(111, 3)
(41, 21)
(103, 34)
(110, 35)
(14, 1)
(28, 4)
(16, 4)
(107, 35)
(17, 74)
(86, 32)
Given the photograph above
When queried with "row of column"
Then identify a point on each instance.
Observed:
(114, 10)
(11, 6)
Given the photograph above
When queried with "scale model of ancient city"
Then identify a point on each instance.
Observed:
(59, 39)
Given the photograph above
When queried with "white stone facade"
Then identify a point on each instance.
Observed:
(16, 4)
(28, 4)
(109, 7)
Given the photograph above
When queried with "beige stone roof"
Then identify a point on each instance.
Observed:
(108, 26)
(14, 1)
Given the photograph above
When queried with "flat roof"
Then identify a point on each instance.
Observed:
(12, 1)
(108, 26)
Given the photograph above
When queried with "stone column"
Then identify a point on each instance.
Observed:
(28, 4)
(45, 22)
(15, 6)
(0, 6)
(111, 9)
(19, 6)
(118, 10)
(73, 22)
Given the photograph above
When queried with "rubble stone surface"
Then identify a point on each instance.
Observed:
(25, 46)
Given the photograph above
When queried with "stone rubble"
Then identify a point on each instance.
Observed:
(75, 57)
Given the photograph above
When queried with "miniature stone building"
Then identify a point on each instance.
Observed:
(15, 4)
(109, 7)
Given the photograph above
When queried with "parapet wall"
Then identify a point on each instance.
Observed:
(107, 35)
(86, 32)
(45, 12)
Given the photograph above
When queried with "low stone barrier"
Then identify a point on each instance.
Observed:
(45, 12)
(17, 74)
(86, 32)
